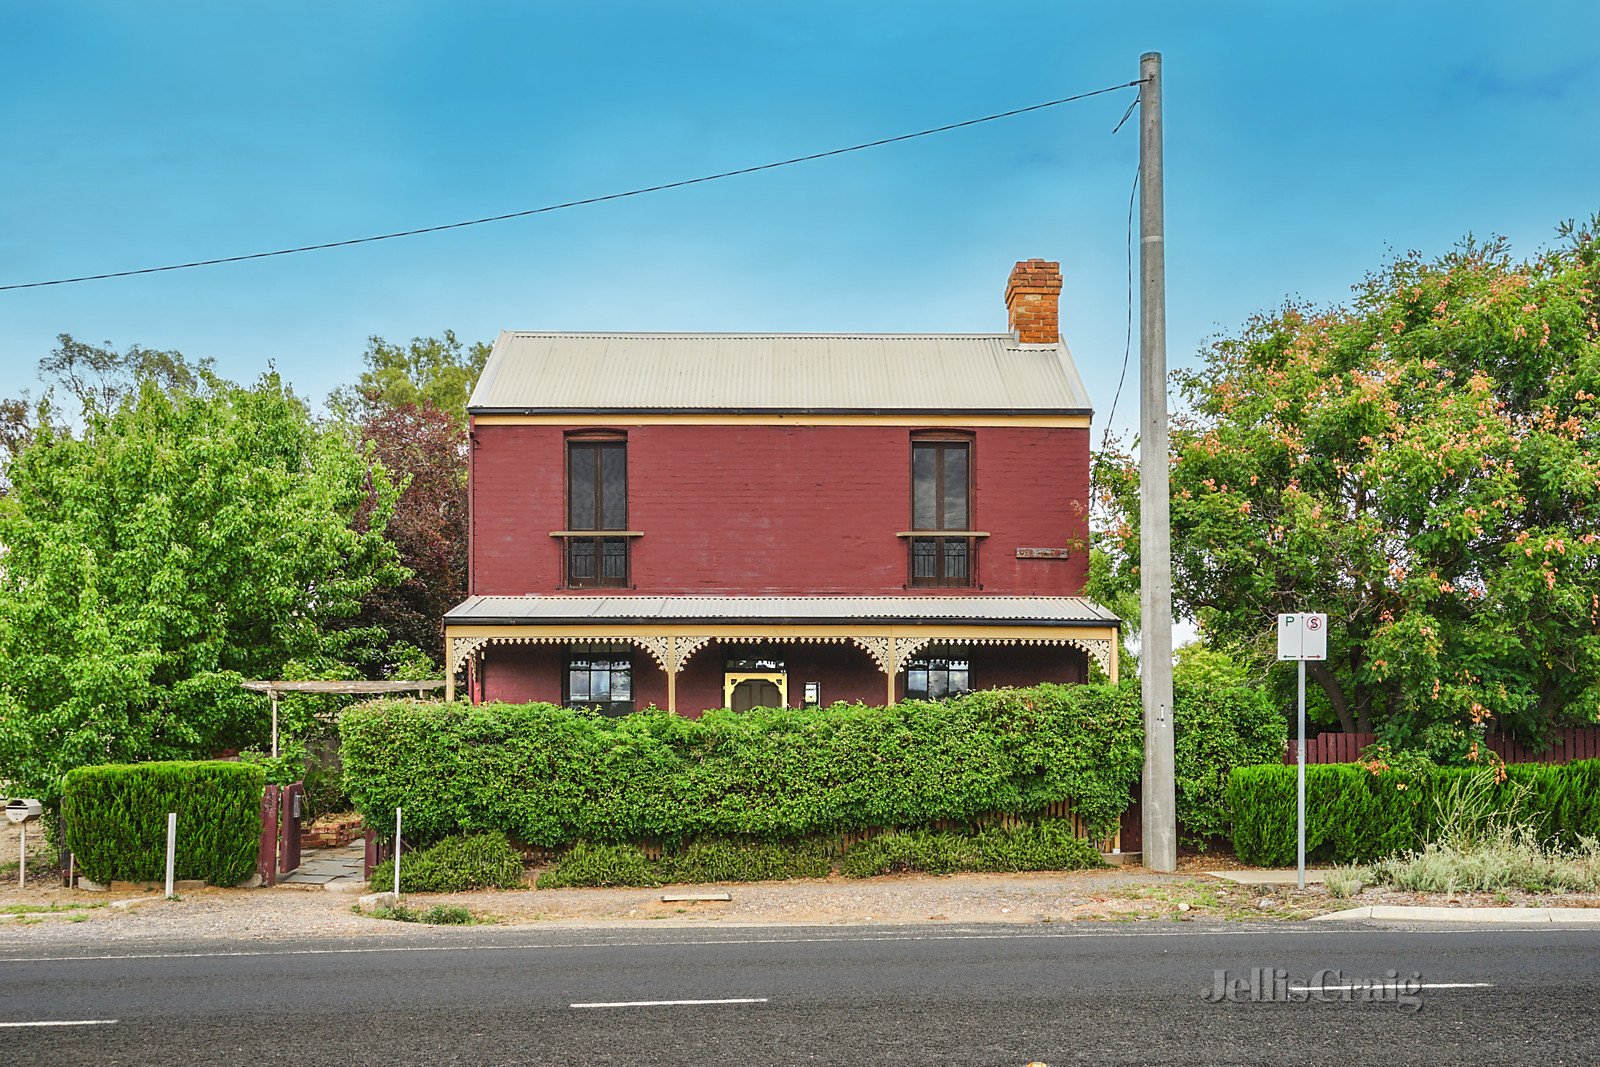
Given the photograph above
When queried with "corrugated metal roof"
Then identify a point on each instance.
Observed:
(646, 372)
(1047, 610)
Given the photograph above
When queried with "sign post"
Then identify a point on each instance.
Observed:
(1302, 637)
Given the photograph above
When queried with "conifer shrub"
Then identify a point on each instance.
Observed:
(115, 816)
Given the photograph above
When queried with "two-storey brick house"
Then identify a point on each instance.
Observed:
(708, 520)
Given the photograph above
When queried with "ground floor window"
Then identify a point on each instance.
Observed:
(599, 676)
(936, 677)
(748, 659)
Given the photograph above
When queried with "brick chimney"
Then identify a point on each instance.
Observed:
(1033, 299)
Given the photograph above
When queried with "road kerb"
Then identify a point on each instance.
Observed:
(1398, 913)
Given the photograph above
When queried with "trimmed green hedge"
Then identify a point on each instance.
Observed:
(116, 820)
(586, 864)
(1047, 845)
(454, 865)
(1355, 816)
(550, 776)
(1218, 728)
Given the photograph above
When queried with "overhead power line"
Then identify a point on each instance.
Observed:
(572, 203)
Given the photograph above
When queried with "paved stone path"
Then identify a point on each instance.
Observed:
(336, 869)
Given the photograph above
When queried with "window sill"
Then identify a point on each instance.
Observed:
(597, 533)
(942, 533)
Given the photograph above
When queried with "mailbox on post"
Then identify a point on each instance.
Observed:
(22, 812)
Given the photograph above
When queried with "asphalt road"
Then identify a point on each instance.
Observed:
(987, 995)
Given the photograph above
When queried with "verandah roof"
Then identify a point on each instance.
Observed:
(781, 610)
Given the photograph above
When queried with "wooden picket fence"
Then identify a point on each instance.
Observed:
(1574, 743)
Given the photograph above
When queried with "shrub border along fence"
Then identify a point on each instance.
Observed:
(550, 776)
(1356, 816)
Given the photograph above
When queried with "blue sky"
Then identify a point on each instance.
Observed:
(1304, 142)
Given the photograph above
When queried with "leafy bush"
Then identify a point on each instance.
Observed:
(286, 768)
(747, 861)
(551, 776)
(116, 820)
(456, 864)
(1047, 845)
(324, 778)
(1357, 814)
(1217, 728)
(586, 864)
(715, 860)
(314, 762)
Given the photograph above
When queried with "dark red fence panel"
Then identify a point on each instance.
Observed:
(267, 857)
(291, 801)
(1573, 743)
(377, 851)
(1331, 748)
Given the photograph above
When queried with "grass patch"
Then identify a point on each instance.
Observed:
(1510, 860)
(1345, 882)
(438, 915)
(1487, 841)
(44, 909)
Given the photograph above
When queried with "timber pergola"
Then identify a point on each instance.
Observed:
(891, 630)
(275, 689)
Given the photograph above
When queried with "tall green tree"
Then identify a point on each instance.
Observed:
(188, 537)
(426, 371)
(1424, 465)
(425, 451)
(409, 408)
(82, 378)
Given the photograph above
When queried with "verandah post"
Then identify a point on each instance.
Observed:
(672, 675)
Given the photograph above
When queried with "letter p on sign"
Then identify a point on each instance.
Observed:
(1302, 636)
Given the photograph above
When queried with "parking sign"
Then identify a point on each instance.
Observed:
(1303, 636)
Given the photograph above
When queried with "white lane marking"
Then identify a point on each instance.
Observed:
(1390, 984)
(667, 1003)
(1321, 933)
(64, 1022)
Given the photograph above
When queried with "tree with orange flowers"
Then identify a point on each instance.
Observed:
(1423, 464)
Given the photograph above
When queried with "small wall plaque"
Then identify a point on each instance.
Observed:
(1044, 553)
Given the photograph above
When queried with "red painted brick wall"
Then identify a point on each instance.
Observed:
(779, 510)
(523, 673)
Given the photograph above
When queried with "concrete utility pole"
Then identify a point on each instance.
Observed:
(1160, 824)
